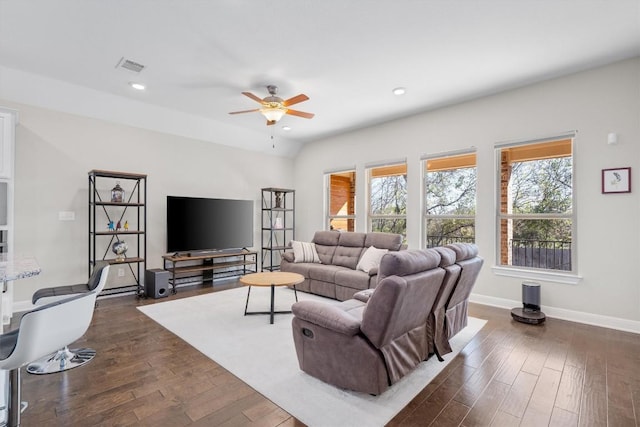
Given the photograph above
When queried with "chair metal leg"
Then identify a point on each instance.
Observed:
(14, 409)
(61, 360)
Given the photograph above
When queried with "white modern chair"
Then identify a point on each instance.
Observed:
(66, 358)
(35, 338)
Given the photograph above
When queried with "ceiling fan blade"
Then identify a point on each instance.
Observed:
(245, 111)
(300, 113)
(296, 99)
(252, 96)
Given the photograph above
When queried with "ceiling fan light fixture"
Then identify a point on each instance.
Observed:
(273, 114)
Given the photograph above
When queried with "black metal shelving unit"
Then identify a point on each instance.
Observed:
(278, 225)
(102, 210)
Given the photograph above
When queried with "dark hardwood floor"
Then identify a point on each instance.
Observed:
(560, 374)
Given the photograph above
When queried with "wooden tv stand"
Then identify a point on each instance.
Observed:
(210, 265)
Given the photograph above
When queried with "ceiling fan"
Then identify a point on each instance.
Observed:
(274, 107)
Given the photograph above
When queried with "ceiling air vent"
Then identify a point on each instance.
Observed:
(129, 65)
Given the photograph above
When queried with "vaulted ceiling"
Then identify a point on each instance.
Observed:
(347, 56)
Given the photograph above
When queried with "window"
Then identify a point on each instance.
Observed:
(536, 220)
(388, 199)
(450, 200)
(341, 201)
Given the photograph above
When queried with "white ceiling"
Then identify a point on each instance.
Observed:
(346, 55)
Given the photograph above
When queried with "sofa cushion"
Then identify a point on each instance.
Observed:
(350, 247)
(370, 258)
(326, 242)
(300, 268)
(404, 263)
(447, 256)
(352, 240)
(347, 257)
(390, 241)
(355, 279)
(322, 288)
(326, 238)
(324, 273)
(304, 252)
(463, 250)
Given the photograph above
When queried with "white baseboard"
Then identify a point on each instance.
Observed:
(564, 314)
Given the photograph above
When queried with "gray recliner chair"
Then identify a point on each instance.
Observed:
(369, 346)
(35, 338)
(66, 358)
(457, 311)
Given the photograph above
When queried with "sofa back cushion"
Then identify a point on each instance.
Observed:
(404, 263)
(326, 242)
(390, 241)
(350, 247)
(467, 258)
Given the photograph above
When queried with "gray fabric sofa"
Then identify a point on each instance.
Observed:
(370, 342)
(336, 275)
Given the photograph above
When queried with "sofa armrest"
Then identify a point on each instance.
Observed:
(288, 256)
(327, 316)
(363, 295)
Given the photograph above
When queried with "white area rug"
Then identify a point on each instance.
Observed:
(264, 356)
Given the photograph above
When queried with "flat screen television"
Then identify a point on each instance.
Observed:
(200, 224)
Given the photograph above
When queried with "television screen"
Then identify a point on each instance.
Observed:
(200, 224)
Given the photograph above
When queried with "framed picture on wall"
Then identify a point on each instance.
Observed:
(616, 180)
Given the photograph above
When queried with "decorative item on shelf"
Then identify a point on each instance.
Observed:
(120, 249)
(117, 193)
(118, 226)
(110, 226)
(278, 223)
(278, 195)
(126, 226)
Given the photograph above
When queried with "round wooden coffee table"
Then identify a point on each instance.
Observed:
(273, 279)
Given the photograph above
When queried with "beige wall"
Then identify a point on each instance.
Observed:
(594, 103)
(54, 153)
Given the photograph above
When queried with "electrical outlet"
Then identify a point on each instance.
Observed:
(121, 272)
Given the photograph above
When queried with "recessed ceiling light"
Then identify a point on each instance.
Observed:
(137, 86)
(286, 128)
(399, 91)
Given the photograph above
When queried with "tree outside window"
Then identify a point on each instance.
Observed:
(536, 220)
(450, 200)
(388, 199)
(341, 201)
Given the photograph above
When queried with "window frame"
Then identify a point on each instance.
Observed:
(328, 217)
(425, 215)
(369, 176)
(535, 273)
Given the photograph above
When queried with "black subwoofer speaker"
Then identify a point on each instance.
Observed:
(156, 283)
